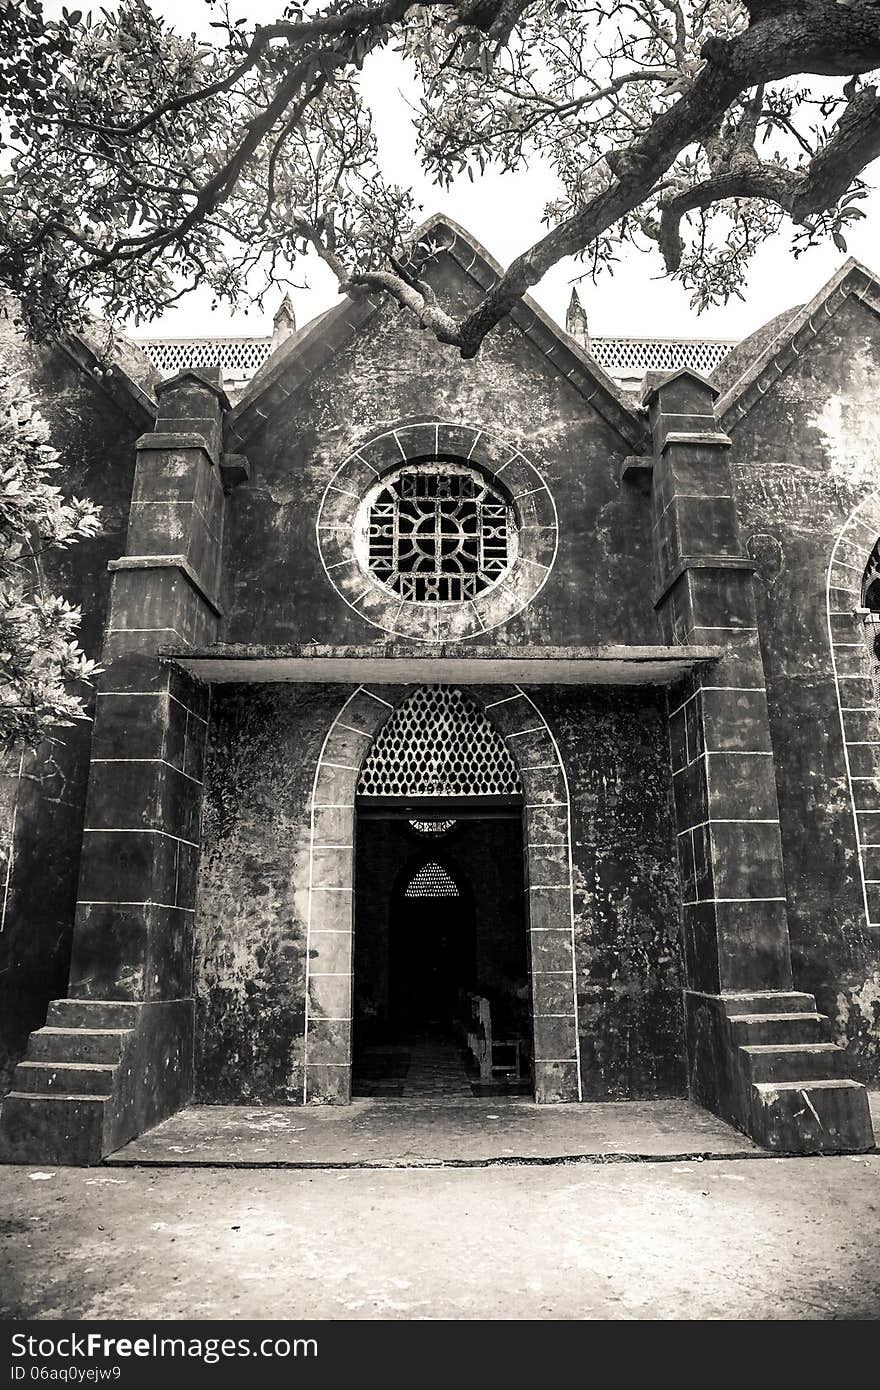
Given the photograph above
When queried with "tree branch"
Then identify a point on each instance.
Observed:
(855, 142)
(821, 37)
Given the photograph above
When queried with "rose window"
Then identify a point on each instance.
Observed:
(438, 533)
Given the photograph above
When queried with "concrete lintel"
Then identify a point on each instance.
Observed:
(234, 470)
(701, 562)
(165, 562)
(715, 438)
(637, 468)
(398, 664)
(161, 442)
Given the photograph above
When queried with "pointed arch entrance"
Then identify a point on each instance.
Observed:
(438, 750)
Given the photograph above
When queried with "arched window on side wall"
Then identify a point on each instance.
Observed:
(871, 581)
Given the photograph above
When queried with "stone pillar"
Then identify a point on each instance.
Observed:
(129, 1014)
(142, 818)
(734, 909)
(734, 906)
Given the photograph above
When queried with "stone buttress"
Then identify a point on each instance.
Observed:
(116, 1056)
(756, 1049)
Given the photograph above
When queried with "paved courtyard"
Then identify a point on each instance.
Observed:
(732, 1238)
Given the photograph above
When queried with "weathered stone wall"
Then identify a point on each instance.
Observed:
(614, 744)
(252, 904)
(806, 453)
(96, 439)
(265, 742)
(389, 372)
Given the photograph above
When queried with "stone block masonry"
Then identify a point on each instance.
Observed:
(734, 904)
(116, 1056)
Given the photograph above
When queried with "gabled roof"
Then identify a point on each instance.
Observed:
(113, 364)
(308, 350)
(798, 329)
(115, 374)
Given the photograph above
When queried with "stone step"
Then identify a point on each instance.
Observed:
(76, 1045)
(797, 1062)
(774, 1001)
(42, 1129)
(92, 1013)
(830, 1116)
(65, 1078)
(778, 1028)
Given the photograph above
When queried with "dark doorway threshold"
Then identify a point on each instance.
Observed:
(426, 1065)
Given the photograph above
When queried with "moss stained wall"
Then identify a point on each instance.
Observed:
(96, 441)
(277, 591)
(615, 748)
(251, 917)
(804, 456)
(253, 888)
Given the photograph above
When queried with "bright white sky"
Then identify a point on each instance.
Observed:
(504, 213)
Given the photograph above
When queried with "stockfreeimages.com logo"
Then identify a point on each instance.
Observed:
(93, 1346)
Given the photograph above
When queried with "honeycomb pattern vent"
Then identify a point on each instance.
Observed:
(437, 743)
(431, 881)
(634, 356)
(240, 358)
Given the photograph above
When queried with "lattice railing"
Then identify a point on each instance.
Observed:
(241, 358)
(635, 356)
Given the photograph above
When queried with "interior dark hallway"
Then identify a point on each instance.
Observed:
(440, 953)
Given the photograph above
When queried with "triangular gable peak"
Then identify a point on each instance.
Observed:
(309, 350)
(852, 280)
(104, 363)
(111, 377)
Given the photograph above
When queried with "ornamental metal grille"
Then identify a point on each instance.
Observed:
(432, 827)
(431, 881)
(438, 534)
(437, 743)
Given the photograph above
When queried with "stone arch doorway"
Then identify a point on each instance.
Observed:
(368, 724)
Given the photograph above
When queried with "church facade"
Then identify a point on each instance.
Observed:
(437, 691)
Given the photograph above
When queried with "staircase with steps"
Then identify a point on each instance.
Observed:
(790, 1090)
(65, 1103)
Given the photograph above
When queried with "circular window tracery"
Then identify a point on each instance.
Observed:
(501, 590)
(438, 533)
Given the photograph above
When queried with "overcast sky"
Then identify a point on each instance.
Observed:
(504, 213)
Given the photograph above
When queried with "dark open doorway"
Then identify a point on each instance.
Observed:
(441, 968)
(432, 945)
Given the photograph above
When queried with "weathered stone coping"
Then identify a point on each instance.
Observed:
(409, 663)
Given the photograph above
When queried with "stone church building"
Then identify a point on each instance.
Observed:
(519, 703)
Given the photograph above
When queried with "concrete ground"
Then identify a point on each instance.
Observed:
(737, 1238)
(434, 1131)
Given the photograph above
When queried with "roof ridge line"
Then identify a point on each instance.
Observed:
(340, 322)
(758, 377)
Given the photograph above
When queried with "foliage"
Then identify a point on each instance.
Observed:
(39, 654)
(143, 162)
